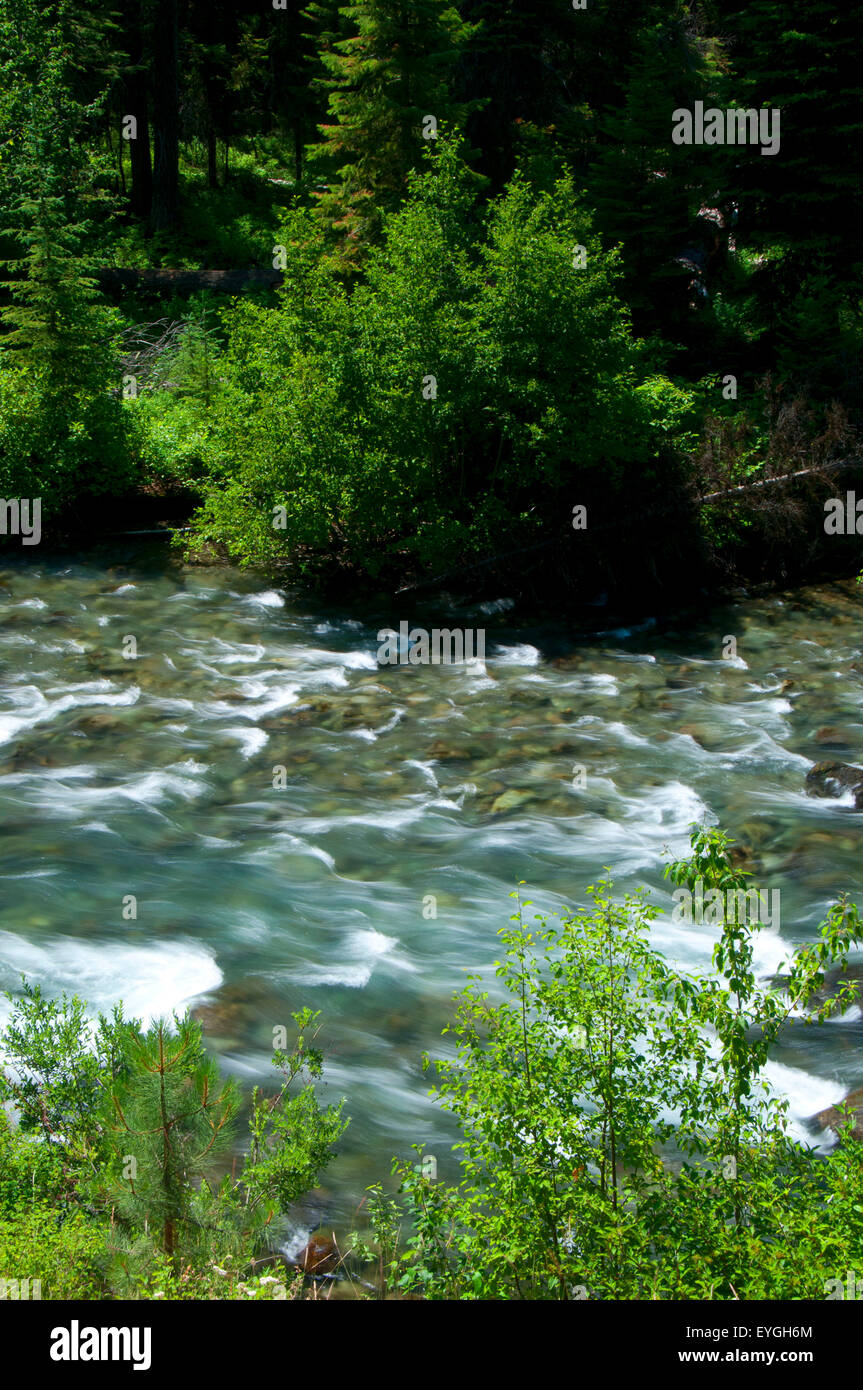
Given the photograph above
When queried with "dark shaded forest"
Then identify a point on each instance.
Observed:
(381, 294)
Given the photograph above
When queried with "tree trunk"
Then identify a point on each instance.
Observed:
(298, 149)
(135, 96)
(212, 171)
(168, 1241)
(166, 125)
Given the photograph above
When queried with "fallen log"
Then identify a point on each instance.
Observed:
(119, 279)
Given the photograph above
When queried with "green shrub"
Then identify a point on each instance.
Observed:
(114, 1165)
(463, 396)
(66, 1251)
(619, 1138)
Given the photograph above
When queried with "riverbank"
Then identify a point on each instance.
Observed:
(659, 562)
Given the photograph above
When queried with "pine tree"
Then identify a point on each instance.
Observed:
(807, 197)
(518, 66)
(165, 206)
(135, 98)
(646, 189)
(59, 328)
(172, 1116)
(383, 82)
(800, 209)
(291, 62)
(62, 429)
(56, 326)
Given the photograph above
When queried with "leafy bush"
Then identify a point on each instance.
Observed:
(58, 1070)
(451, 402)
(114, 1164)
(620, 1140)
(65, 1252)
(44, 1235)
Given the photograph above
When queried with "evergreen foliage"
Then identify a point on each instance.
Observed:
(451, 383)
(118, 1159)
(385, 79)
(216, 135)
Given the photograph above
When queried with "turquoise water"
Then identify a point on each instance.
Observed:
(153, 777)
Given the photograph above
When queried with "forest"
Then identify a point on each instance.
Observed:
(547, 316)
(372, 294)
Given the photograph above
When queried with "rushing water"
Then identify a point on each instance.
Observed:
(154, 777)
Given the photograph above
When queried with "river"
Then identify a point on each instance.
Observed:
(153, 777)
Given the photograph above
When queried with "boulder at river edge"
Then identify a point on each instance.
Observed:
(320, 1256)
(832, 1119)
(840, 977)
(832, 779)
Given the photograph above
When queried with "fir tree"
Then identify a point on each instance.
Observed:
(61, 429)
(56, 326)
(383, 82)
(647, 190)
(800, 209)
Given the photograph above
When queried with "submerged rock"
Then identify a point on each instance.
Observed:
(233, 1011)
(833, 778)
(511, 800)
(443, 752)
(829, 736)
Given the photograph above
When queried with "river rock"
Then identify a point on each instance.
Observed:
(832, 779)
(834, 980)
(93, 723)
(233, 1010)
(510, 800)
(831, 1118)
(321, 1255)
(830, 737)
(442, 752)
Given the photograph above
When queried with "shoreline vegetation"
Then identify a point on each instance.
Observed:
(619, 1137)
(514, 341)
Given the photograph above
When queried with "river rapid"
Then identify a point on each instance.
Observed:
(153, 777)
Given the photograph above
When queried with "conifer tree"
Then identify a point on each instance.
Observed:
(646, 189)
(800, 209)
(59, 328)
(808, 196)
(165, 206)
(55, 201)
(383, 81)
(172, 1116)
(60, 424)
